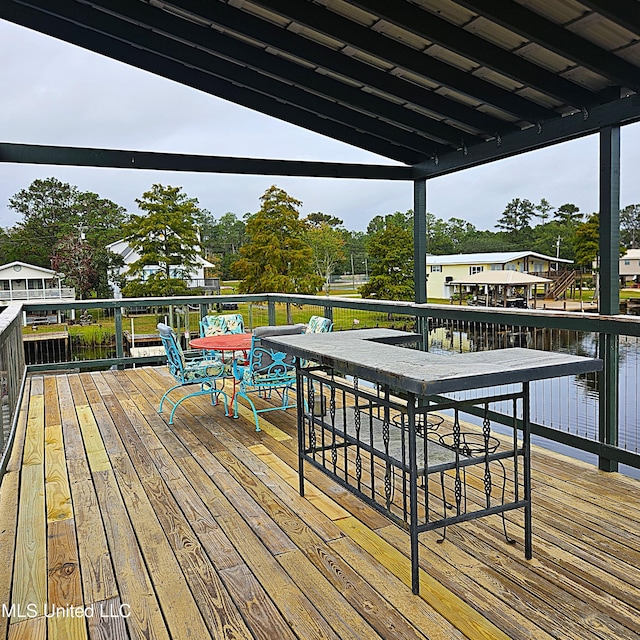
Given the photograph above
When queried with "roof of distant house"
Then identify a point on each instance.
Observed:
(631, 254)
(508, 277)
(121, 247)
(499, 257)
(17, 263)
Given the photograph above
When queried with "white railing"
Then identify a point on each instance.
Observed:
(63, 293)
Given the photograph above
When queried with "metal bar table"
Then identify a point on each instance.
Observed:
(364, 408)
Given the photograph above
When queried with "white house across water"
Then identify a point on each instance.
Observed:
(195, 278)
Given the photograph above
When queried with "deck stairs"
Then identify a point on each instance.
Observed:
(560, 284)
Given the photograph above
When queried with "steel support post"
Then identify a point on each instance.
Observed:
(420, 240)
(420, 255)
(609, 294)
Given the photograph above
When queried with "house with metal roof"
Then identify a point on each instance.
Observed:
(443, 271)
(194, 277)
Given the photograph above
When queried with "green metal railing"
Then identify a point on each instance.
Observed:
(427, 319)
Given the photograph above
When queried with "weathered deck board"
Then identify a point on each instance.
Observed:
(197, 530)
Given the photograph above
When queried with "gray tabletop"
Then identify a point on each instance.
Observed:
(364, 353)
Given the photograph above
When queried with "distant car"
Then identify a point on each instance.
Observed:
(226, 306)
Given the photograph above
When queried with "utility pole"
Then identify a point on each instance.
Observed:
(353, 273)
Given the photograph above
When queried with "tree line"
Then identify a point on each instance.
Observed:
(273, 249)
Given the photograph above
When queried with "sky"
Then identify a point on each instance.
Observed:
(54, 93)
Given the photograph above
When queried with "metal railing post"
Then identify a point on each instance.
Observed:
(271, 307)
(118, 331)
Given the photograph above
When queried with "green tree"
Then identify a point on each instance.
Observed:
(391, 250)
(73, 260)
(587, 241)
(568, 213)
(276, 257)
(356, 259)
(54, 212)
(555, 237)
(158, 285)
(327, 244)
(516, 221)
(544, 209)
(438, 240)
(221, 241)
(166, 234)
(318, 219)
(380, 223)
(630, 226)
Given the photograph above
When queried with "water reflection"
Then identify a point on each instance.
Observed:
(568, 404)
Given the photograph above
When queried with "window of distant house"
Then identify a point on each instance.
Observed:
(496, 267)
(436, 268)
(627, 263)
(510, 267)
(475, 269)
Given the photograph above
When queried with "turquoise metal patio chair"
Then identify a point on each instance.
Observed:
(204, 372)
(267, 370)
(225, 323)
(220, 325)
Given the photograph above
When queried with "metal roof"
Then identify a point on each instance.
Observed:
(437, 85)
(513, 278)
(496, 257)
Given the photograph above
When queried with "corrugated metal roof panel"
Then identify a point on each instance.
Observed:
(401, 35)
(559, 12)
(452, 58)
(545, 58)
(495, 33)
(603, 32)
(446, 9)
(498, 257)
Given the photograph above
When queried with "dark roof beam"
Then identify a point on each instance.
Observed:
(622, 111)
(534, 27)
(207, 40)
(427, 25)
(151, 160)
(241, 22)
(397, 54)
(120, 50)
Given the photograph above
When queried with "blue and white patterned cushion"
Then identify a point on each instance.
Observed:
(219, 325)
(202, 369)
(318, 324)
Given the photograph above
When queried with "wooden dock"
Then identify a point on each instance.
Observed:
(116, 525)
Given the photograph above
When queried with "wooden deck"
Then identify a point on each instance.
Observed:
(124, 527)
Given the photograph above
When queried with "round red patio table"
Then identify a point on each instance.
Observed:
(225, 342)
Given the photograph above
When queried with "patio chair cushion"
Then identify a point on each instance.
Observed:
(319, 324)
(219, 325)
(282, 330)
